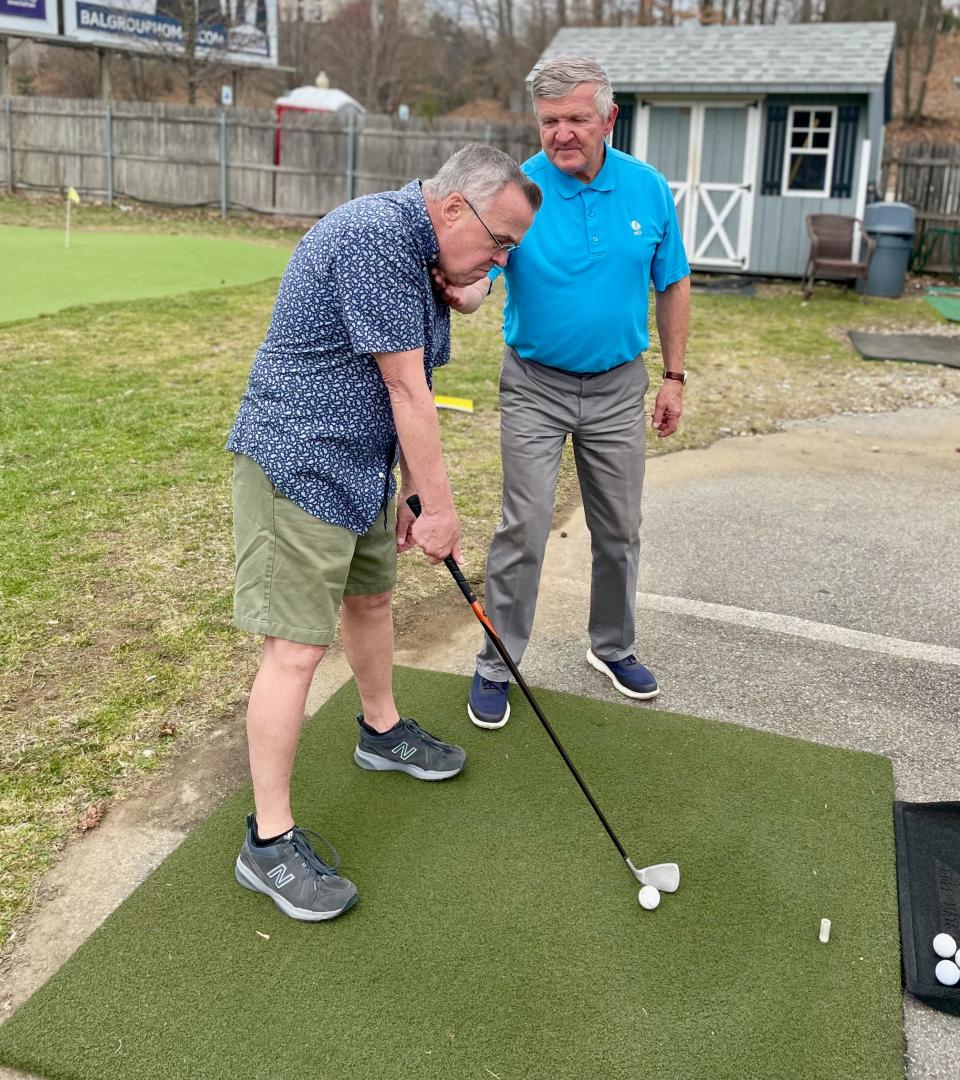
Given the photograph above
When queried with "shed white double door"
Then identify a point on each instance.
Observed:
(708, 153)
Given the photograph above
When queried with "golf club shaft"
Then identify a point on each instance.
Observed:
(414, 503)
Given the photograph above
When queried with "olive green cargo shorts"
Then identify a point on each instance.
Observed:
(293, 569)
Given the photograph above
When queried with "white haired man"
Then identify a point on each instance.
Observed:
(575, 328)
(339, 390)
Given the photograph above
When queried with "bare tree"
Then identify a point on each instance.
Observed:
(367, 50)
(138, 78)
(666, 12)
(208, 32)
(197, 62)
(74, 73)
(918, 31)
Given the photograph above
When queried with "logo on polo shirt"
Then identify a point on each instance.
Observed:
(637, 228)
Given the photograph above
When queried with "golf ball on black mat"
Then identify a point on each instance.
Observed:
(945, 946)
(649, 897)
(948, 973)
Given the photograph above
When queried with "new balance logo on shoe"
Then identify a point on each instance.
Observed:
(407, 748)
(280, 875)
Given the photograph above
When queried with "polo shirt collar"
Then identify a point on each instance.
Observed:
(568, 186)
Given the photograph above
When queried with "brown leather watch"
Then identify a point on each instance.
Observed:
(680, 376)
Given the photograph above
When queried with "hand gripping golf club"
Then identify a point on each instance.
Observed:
(662, 876)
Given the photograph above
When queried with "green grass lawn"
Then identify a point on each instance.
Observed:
(38, 275)
(498, 933)
(115, 540)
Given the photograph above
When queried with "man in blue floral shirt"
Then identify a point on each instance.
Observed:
(340, 390)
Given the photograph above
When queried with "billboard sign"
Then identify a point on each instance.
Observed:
(32, 18)
(234, 31)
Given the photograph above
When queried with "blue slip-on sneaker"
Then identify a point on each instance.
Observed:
(628, 675)
(487, 706)
(406, 747)
(295, 878)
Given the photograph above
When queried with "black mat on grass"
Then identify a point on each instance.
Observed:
(928, 882)
(722, 284)
(918, 348)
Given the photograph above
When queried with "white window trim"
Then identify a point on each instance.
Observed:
(818, 151)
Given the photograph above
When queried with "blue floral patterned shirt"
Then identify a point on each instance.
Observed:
(316, 414)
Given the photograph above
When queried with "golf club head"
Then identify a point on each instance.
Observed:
(664, 876)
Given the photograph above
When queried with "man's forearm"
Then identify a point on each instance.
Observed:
(673, 323)
(421, 457)
(437, 530)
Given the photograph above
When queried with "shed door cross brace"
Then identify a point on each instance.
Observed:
(701, 201)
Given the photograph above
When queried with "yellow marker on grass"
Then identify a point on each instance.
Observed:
(458, 404)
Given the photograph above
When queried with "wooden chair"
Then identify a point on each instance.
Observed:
(831, 247)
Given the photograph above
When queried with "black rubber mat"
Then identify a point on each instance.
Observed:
(727, 284)
(928, 881)
(919, 348)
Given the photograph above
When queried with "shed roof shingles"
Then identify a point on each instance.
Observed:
(754, 57)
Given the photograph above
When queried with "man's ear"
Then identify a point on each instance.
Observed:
(452, 207)
(611, 119)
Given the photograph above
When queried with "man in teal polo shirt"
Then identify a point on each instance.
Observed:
(575, 327)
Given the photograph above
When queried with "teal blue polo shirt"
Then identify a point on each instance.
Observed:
(578, 286)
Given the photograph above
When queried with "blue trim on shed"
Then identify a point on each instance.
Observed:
(845, 151)
(622, 138)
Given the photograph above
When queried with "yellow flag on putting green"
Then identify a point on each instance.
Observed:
(72, 195)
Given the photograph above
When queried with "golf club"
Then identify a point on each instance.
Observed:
(662, 876)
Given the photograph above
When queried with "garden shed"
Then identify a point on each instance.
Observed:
(754, 127)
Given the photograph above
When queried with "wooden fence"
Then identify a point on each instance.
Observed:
(190, 156)
(927, 176)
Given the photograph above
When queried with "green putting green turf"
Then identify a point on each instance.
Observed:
(498, 933)
(38, 275)
(947, 305)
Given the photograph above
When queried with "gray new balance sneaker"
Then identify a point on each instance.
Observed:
(300, 883)
(408, 748)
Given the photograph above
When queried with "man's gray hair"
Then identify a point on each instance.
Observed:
(478, 172)
(563, 74)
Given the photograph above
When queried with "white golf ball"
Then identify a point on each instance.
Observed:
(948, 973)
(649, 897)
(945, 946)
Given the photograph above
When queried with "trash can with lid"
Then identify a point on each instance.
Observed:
(891, 224)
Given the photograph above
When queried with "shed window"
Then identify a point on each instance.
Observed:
(808, 154)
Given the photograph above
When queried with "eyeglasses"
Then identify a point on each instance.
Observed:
(500, 246)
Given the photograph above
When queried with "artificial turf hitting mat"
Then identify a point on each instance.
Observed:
(498, 933)
(40, 276)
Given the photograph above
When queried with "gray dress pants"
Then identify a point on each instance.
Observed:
(539, 408)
